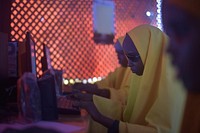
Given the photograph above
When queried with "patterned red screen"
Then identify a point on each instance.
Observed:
(66, 27)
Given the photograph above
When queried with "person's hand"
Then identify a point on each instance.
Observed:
(92, 89)
(83, 96)
(90, 107)
(89, 88)
(104, 93)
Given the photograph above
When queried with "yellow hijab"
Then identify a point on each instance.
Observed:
(191, 6)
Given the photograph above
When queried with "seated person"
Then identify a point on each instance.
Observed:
(181, 20)
(151, 103)
(116, 84)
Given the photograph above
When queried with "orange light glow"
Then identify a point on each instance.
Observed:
(66, 27)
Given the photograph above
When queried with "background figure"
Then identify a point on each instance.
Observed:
(181, 19)
(115, 85)
(151, 104)
(118, 82)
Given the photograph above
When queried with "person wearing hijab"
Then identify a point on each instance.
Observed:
(181, 20)
(151, 103)
(116, 84)
(115, 87)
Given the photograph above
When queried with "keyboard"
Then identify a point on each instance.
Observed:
(65, 106)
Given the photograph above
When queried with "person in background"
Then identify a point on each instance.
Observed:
(151, 103)
(181, 20)
(116, 84)
(115, 87)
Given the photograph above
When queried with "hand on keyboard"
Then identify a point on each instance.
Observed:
(90, 89)
(83, 96)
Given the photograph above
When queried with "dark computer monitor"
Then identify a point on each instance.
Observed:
(46, 60)
(31, 54)
(28, 58)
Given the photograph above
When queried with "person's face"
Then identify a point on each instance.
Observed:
(184, 33)
(120, 55)
(134, 60)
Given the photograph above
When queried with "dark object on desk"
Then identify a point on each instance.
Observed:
(48, 97)
(27, 55)
(29, 101)
(53, 105)
(47, 68)
(64, 105)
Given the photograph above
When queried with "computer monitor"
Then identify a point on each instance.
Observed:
(46, 60)
(31, 54)
(28, 57)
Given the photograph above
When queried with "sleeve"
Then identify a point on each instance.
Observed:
(108, 106)
(167, 111)
(166, 114)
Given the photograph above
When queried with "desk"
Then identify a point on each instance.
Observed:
(65, 124)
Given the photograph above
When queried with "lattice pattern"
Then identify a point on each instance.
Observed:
(66, 27)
